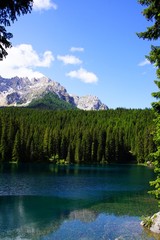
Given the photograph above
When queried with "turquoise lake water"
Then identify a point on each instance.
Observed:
(45, 202)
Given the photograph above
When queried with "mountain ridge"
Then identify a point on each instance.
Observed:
(18, 91)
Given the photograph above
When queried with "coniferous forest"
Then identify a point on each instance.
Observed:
(75, 136)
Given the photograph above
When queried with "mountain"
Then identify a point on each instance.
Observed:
(24, 91)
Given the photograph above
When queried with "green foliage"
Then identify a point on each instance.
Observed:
(16, 150)
(9, 11)
(147, 222)
(112, 136)
(50, 101)
(152, 13)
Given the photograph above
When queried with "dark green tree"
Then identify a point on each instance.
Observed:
(3, 142)
(46, 143)
(75, 136)
(152, 13)
(10, 10)
(101, 146)
(16, 148)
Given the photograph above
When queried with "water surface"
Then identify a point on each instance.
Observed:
(74, 202)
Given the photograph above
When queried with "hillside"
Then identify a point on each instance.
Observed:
(50, 101)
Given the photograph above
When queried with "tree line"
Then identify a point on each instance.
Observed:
(112, 136)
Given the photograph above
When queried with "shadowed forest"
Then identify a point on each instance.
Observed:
(75, 136)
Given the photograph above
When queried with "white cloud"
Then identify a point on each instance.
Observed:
(77, 49)
(144, 63)
(83, 75)
(69, 59)
(44, 5)
(22, 61)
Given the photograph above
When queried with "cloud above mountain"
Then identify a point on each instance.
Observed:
(144, 63)
(22, 61)
(69, 59)
(83, 75)
(77, 49)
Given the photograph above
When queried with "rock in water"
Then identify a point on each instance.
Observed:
(156, 223)
(152, 223)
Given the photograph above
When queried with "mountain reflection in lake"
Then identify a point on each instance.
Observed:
(74, 202)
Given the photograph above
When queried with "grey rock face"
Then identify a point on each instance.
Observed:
(21, 91)
(89, 103)
(12, 98)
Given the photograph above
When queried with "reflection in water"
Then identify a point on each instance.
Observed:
(31, 216)
(35, 217)
(56, 219)
(108, 227)
(83, 215)
(74, 202)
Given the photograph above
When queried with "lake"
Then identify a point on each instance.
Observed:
(52, 202)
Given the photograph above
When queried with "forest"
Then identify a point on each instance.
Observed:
(76, 136)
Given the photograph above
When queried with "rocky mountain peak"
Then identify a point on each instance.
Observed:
(21, 91)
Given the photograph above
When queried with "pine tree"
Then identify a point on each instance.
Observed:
(152, 13)
(16, 148)
(3, 142)
(45, 142)
(9, 11)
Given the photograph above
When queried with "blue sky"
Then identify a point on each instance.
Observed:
(89, 47)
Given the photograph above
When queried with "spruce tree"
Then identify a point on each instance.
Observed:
(16, 148)
(152, 13)
(9, 11)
